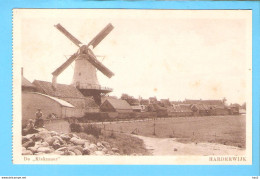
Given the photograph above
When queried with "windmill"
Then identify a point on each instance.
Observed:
(86, 65)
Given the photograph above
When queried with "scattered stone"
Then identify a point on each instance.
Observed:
(86, 144)
(110, 152)
(33, 149)
(70, 135)
(39, 153)
(99, 153)
(50, 140)
(44, 134)
(59, 139)
(53, 133)
(62, 149)
(77, 152)
(134, 154)
(27, 152)
(116, 150)
(24, 139)
(92, 147)
(56, 144)
(65, 137)
(71, 153)
(29, 143)
(175, 150)
(44, 149)
(99, 144)
(106, 144)
(72, 148)
(74, 135)
(58, 152)
(86, 151)
(44, 144)
(99, 148)
(104, 150)
(53, 143)
(77, 141)
(30, 136)
(42, 129)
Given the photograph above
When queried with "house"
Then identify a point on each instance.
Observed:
(137, 108)
(176, 102)
(104, 98)
(160, 111)
(220, 110)
(116, 105)
(153, 100)
(27, 86)
(180, 110)
(165, 102)
(67, 93)
(234, 109)
(201, 109)
(130, 99)
(49, 105)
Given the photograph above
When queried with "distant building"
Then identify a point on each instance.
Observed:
(205, 110)
(206, 102)
(153, 100)
(179, 110)
(130, 99)
(116, 105)
(104, 98)
(234, 109)
(144, 102)
(137, 108)
(27, 86)
(165, 102)
(200, 109)
(176, 102)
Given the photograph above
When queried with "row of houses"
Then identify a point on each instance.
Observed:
(66, 101)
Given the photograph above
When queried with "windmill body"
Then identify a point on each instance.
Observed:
(85, 74)
(86, 65)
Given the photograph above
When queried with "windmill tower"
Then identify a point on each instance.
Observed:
(86, 65)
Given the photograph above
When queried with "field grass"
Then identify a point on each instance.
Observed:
(227, 130)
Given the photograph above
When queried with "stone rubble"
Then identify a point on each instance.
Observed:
(52, 143)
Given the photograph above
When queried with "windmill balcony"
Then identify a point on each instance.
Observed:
(93, 86)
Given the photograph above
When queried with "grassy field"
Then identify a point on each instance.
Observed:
(227, 130)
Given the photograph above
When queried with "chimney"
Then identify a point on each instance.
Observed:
(22, 71)
(54, 82)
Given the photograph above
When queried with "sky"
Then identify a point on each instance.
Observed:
(164, 53)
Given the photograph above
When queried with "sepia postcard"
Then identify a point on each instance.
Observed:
(124, 86)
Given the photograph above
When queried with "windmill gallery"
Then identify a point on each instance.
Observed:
(86, 99)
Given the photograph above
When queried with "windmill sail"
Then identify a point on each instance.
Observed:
(64, 65)
(101, 35)
(68, 35)
(93, 60)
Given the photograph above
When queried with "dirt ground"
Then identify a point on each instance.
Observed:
(169, 146)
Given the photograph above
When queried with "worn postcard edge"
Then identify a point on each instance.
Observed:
(125, 160)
